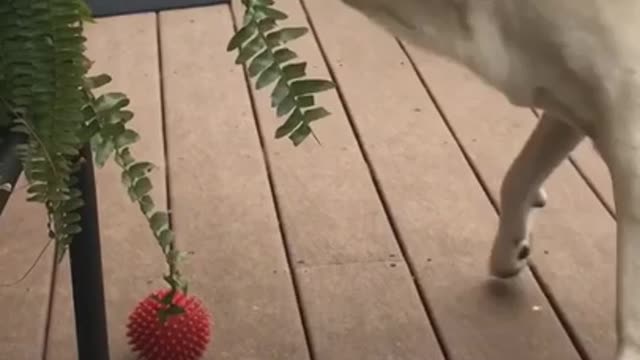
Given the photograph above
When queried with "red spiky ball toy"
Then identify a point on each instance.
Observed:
(180, 337)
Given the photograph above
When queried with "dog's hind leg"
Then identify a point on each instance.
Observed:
(549, 144)
(620, 148)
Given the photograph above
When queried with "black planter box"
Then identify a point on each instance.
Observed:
(122, 7)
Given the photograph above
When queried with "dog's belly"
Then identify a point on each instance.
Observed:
(477, 45)
(475, 42)
(562, 57)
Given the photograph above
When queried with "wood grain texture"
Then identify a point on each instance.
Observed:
(574, 236)
(335, 226)
(126, 48)
(387, 323)
(23, 306)
(222, 204)
(440, 210)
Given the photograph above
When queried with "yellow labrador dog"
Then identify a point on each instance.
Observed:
(579, 61)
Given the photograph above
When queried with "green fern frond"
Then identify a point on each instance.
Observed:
(107, 116)
(261, 46)
(46, 95)
(41, 70)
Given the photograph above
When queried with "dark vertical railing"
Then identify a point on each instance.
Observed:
(86, 272)
(10, 165)
(84, 252)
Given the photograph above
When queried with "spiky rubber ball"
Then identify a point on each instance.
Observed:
(181, 337)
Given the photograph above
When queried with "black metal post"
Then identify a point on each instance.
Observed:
(10, 165)
(86, 272)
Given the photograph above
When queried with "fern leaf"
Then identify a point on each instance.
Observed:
(248, 51)
(41, 72)
(315, 114)
(268, 76)
(285, 106)
(280, 91)
(262, 62)
(307, 101)
(261, 48)
(283, 36)
(305, 87)
(283, 55)
(300, 134)
(265, 11)
(242, 36)
(294, 120)
(109, 115)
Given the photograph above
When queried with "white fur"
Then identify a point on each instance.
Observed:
(578, 60)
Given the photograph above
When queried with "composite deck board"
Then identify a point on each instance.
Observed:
(336, 229)
(371, 303)
(126, 48)
(23, 306)
(594, 168)
(574, 237)
(222, 205)
(441, 212)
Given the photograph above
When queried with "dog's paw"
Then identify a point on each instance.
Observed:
(628, 357)
(628, 353)
(540, 199)
(508, 258)
(633, 356)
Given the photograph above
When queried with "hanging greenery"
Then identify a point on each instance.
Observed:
(261, 46)
(47, 96)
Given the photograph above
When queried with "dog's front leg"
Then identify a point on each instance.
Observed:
(548, 145)
(620, 148)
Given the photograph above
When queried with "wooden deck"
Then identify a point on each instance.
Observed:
(372, 246)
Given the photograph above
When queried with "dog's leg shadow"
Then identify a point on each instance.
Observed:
(506, 292)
